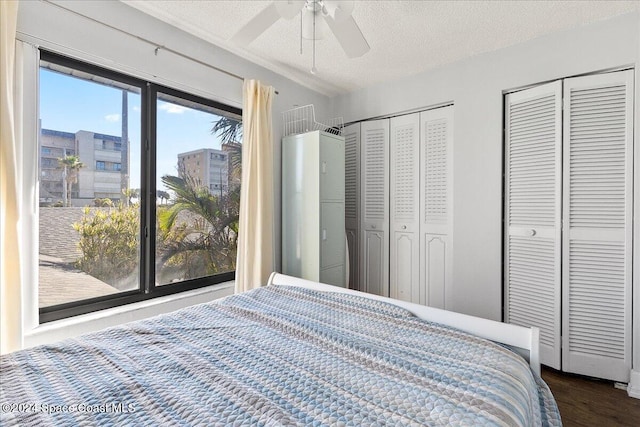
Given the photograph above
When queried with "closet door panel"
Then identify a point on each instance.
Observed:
(374, 208)
(435, 259)
(375, 260)
(533, 150)
(354, 262)
(332, 168)
(436, 207)
(352, 201)
(597, 240)
(404, 270)
(331, 235)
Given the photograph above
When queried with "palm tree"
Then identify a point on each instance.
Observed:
(197, 234)
(206, 242)
(234, 151)
(228, 129)
(71, 166)
(129, 194)
(163, 196)
(230, 133)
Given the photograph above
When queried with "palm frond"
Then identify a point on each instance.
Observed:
(228, 130)
(198, 231)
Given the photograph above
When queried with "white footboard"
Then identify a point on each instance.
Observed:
(523, 340)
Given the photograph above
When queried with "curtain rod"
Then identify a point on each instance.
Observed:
(151, 42)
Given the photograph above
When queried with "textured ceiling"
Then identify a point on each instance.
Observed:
(406, 37)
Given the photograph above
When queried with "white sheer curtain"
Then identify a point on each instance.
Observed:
(255, 259)
(10, 283)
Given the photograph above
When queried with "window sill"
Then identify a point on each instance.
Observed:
(50, 332)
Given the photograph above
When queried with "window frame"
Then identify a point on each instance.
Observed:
(147, 233)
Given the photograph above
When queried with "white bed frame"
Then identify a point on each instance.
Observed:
(523, 340)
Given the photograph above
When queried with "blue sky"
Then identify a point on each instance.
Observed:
(71, 104)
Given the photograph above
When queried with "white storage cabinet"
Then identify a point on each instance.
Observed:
(313, 207)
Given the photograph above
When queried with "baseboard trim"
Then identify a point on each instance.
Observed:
(633, 389)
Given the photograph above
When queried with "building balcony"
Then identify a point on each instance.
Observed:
(108, 156)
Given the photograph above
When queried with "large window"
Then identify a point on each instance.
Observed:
(138, 189)
(197, 232)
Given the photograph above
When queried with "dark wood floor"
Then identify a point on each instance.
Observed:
(589, 402)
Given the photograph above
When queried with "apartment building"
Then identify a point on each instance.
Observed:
(103, 174)
(208, 167)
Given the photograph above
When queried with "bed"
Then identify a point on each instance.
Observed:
(291, 353)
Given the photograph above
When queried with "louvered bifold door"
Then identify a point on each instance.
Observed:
(404, 270)
(533, 157)
(352, 200)
(374, 207)
(597, 239)
(436, 207)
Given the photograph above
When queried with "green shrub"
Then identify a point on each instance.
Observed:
(109, 240)
(103, 203)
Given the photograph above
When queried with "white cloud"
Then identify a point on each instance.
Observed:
(112, 118)
(136, 109)
(172, 108)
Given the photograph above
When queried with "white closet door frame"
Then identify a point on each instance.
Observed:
(533, 202)
(404, 269)
(374, 208)
(352, 201)
(598, 235)
(436, 207)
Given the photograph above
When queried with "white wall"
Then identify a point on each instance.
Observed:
(476, 88)
(95, 31)
(634, 383)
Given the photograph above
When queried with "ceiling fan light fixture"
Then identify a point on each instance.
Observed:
(332, 14)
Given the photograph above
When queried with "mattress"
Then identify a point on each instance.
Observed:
(277, 355)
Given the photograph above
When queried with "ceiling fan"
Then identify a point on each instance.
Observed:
(336, 15)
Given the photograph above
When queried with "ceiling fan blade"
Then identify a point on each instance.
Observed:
(290, 8)
(349, 36)
(258, 25)
(339, 10)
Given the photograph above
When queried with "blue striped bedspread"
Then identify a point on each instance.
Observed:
(275, 356)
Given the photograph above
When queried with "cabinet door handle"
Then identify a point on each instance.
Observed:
(532, 232)
(404, 227)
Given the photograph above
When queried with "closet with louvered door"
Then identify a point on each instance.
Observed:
(352, 196)
(374, 207)
(533, 195)
(404, 266)
(597, 235)
(568, 219)
(406, 205)
(436, 208)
